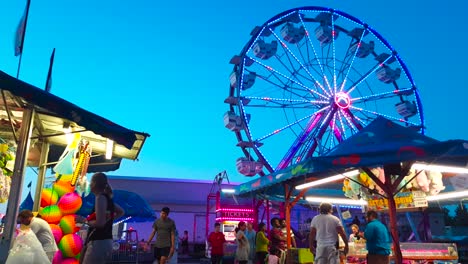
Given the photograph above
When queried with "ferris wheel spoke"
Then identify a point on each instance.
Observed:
(352, 60)
(375, 97)
(365, 76)
(289, 79)
(276, 131)
(315, 54)
(283, 103)
(283, 86)
(386, 116)
(334, 54)
(285, 46)
(352, 119)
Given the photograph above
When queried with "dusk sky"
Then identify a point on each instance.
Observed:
(162, 67)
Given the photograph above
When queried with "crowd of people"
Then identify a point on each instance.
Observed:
(327, 240)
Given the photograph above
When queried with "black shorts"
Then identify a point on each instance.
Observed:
(161, 252)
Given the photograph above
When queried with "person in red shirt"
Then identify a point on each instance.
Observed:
(216, 241)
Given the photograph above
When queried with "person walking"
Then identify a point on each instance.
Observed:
(42, 230)
(261, 244)
(243, 247)
(98, 246)
(251, 234)
(216, 240)
(165, 240)
(377, 240)
(323, 237)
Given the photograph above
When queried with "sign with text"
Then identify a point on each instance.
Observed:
(235, 214)
(403, 200)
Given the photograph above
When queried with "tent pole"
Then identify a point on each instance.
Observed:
(394, 229)
(287, 212)
(17, 182)
(41, 175)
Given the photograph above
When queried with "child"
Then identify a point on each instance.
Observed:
(273, 257)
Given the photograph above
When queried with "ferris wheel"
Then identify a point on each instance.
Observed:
(308, 79)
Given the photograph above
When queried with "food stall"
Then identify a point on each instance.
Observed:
(33, 120)
(393, 148)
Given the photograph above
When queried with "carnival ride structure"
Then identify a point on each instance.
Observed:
(308, 79)
(300, 103)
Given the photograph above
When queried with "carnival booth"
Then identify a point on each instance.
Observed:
(229, 211)
(33, 121)
(384, 166)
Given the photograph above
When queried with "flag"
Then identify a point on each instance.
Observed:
(49, 74)
(21, 30)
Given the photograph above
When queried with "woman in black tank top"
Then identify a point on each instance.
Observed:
(99, 239)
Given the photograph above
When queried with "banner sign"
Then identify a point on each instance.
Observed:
(403, 200)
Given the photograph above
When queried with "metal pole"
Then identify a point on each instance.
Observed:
(41, 175)
(16, 183)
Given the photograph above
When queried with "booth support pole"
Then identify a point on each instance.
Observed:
(17, 183)
(394, 230)
(41, 175)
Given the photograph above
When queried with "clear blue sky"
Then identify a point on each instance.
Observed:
(162, 67)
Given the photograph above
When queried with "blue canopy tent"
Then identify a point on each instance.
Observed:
(381, 143)
(133, 204)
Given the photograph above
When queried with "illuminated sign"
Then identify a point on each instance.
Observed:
(240, 214)
(403, 200)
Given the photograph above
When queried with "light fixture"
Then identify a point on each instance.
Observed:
(439, 168)
(316, 199)
(68, 132)
(109, 148)
(448, 195)
(228, 190)
(328, 179)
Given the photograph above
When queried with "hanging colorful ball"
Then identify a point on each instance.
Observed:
(66, 177)
(70, 203)
(48, 197)
(70, 245)
(51, 214)
(58, 257)
(69, 261)
(68, 224)
(62, 187)
(57, 232)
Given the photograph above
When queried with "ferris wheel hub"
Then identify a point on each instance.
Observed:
(342, 100)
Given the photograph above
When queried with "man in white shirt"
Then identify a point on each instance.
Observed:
(323, 239)
(42, 230)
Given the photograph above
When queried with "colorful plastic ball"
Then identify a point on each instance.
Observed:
(70, 245)
(63, 187)
(66, 177)
(69, 261)
(48, 197)
(68, 224)
(51, 214)
(57, 232)
(70, 203)
(58, 257)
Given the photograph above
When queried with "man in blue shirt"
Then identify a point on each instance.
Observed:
(377, 240)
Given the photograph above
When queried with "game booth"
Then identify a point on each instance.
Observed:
(39, 129)
(388, 181)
